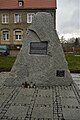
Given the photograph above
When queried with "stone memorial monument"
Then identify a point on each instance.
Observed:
(41, 60)
(39, 86)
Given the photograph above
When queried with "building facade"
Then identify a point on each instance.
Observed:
(17, 15)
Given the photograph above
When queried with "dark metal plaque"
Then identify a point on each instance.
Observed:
(60, 73)
(38, 48)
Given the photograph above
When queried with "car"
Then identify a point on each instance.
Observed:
(4, 50)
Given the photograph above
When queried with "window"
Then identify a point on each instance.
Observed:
(20, 3)
(17, 18)
(18, 34)
(5, 18)
(5, 35)
(30, 17)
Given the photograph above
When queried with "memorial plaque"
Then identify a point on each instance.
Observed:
(60, 73)
(38, 48)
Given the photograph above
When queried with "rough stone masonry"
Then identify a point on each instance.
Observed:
(41, 60)
(39, 86)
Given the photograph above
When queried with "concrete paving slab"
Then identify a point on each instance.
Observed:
(46, 103)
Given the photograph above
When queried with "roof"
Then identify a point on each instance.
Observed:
(28, 4)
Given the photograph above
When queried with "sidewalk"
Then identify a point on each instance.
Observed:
(76, 78)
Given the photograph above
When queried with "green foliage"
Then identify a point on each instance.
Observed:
(6, 63)
(73, 62)
(76, 42)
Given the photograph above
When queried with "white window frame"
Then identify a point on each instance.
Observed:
(5, 18)
(30, 17)
(20, 3)
(17, 18)
(18, 35)
(6, 35)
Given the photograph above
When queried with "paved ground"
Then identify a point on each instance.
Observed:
(54, 103)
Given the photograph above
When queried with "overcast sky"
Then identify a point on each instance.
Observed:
(68, 18)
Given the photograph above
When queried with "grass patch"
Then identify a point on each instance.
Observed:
(73, 63)
(6, 63)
